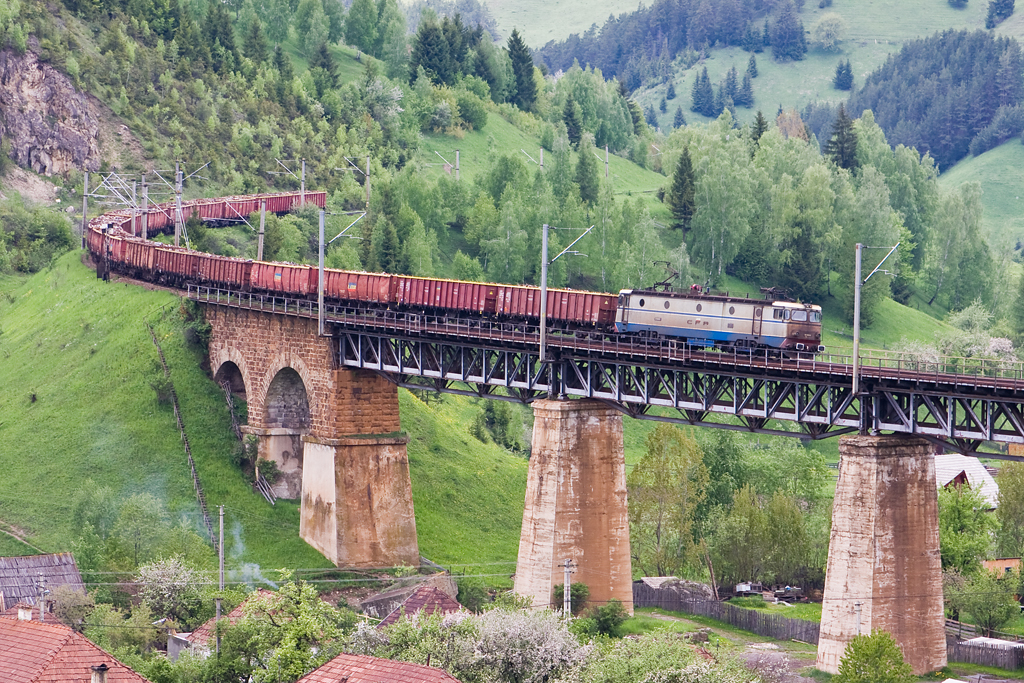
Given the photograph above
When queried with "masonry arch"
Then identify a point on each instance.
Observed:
(231, 374)
(286, 405)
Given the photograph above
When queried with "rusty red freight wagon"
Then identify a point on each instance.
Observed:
(453, 295)
(572, 306)
(116, 246)
(283, 278)
(344, 285)
(234, 273)
(176, 263)
(140, 254)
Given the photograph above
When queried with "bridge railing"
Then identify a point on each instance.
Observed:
(835, 361)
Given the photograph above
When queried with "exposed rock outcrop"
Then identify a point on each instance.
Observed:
(47, 122)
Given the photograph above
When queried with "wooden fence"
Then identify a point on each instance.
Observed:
(1008, 658)
(756, 621)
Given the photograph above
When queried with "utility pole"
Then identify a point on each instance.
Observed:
(135, 208)
(145, 208)
(41, 588)
(320, 287)
(220, 557)
(85, 207)
(302, 185)
(263, 224)
(544, 263)
(859, 250)
(367, 183)
(177, 204)
(857, 607)
(567, 588)
(542, 158)
(856, 309)
(456, 165)
(606, 161)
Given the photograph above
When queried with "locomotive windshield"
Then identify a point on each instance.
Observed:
(800, 316)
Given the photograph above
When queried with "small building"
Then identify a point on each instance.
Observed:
(424, 600)
(382, 604)
(1003, 565)
(32, 651)
(20, 576)
(364, 669)
(953, 469)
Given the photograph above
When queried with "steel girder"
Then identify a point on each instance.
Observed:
(820, 407)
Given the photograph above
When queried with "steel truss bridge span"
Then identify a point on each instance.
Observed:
(957, 403)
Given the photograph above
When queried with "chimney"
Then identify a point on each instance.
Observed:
(24, 613)
(99, 673)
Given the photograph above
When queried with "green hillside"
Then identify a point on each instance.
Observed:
(875, 28)
(1001, 174)
(78, 408)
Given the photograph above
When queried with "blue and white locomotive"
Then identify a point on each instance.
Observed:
(712, 320)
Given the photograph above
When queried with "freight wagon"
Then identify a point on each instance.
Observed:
(283, 278)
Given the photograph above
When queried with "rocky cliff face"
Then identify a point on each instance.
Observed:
(47, 122)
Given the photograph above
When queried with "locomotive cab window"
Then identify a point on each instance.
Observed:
(800, 316)
(815, 316)
(779, 314)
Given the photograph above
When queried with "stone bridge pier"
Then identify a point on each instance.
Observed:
(333, 433)
(884, 568)
(576, 505)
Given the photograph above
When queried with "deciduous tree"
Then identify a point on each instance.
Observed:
(965, 528)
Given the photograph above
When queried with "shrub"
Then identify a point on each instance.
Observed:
(873, 659)
(608, 618)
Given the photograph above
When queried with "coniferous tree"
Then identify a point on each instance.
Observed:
(322, 65)
(430, 50)
(760, 126)
(751, 39)
(680, 197)
(842, 146)
(766, 36)
(255, 46)
(663, 105)
(752, 66)
(573, 120)
(732, 85)
(586, 175)
(220, 36)
(283, 64)
(843, 79)
(522, 66)
(678, 121)
(387, 248)
(671, 94)
(718, 103)
(637, 115)
(998, 10)
(703, 96)
(745, 96)
(787, 35)
(651, 117)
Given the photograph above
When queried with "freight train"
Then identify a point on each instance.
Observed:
(698, 318)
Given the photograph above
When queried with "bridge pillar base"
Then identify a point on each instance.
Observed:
(576, 504)
(884, 552)
(284, 448)
(357, 501)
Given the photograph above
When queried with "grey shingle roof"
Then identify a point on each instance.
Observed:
(19, 576)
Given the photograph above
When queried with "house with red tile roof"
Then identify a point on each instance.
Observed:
(426, 600)
(37, 652)
(363, 669)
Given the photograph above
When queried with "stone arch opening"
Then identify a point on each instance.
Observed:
(231, 374)
(287, 403)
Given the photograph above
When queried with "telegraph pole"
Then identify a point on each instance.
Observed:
(367, 183)
(544, 295)
(85, 207)
(456, 165)
(567, 588)
(606, 161)
(320, 287)
(220, 557)
(302, 185)
(263, 224)
(859, 250)
(177, 204)
(145, 208)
